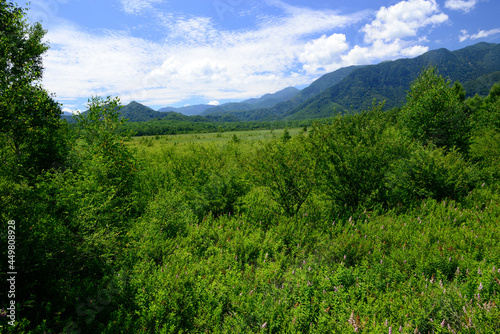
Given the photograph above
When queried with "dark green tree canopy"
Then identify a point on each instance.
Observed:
(435, 111)
(21, 47)
(29, 116)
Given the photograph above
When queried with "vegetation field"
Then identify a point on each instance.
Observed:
(374, 222)
(220, 138)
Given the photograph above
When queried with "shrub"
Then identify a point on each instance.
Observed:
(429, 172)
(435, 112)
(286, 168)
(354, 153)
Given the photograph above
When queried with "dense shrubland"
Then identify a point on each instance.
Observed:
(365, 223)
(377, 222)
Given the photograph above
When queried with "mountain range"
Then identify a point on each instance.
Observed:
(352, 88)
(266, 101)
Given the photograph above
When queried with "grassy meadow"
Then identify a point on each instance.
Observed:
(219, 138)
(430, 267)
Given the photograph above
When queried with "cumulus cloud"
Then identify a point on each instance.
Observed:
(395, 32)
(465, 5)
(214, 103)
(463, 36)
(196, 59)
(323, 53)
(382, 50)
(80, 64)
(404, 19)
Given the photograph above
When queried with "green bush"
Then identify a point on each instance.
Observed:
(435, 112)
(353, 154)
(286, 169)
(430, 172)
(485, 152)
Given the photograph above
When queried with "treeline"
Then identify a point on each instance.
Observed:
(166, 127)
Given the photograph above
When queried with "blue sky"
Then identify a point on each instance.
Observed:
(185, 52)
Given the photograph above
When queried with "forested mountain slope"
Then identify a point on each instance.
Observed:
(475, 67)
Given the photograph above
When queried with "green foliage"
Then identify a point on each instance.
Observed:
(21, 47)
(31, 134)
(485, 151)
(434, 112)
(235, 139)
(285, 137)
(486, 112)
(286, 169)
(354, 154)
(430, 172)
(254, 268)
(101, 152)
(459, 91)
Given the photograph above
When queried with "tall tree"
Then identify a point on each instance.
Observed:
(29, 117)
(435, 111)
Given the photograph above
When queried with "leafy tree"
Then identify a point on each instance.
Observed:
(286, 168)
(30, 127)
(490, 113)
(235, 139)
(459, 89)
(354, 153)
(429, 172)
(435, 112)
(485, 142)
(103, 151)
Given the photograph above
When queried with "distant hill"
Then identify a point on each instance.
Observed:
(354, 88)
(188, 110)
(481, 85)
(283, 107)
(265, 101)
(269, 100)
(136, 112)
(476, 67)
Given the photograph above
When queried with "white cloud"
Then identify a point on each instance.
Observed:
(382, 50)
(324, 52)
(196, 59)
(404, 19)
(69, 110)
(137, 6)
(80, 64)
(464, 35)
(213, 103)
(465, 5)
(485, 33)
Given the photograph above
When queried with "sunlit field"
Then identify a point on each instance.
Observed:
(219, 138)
